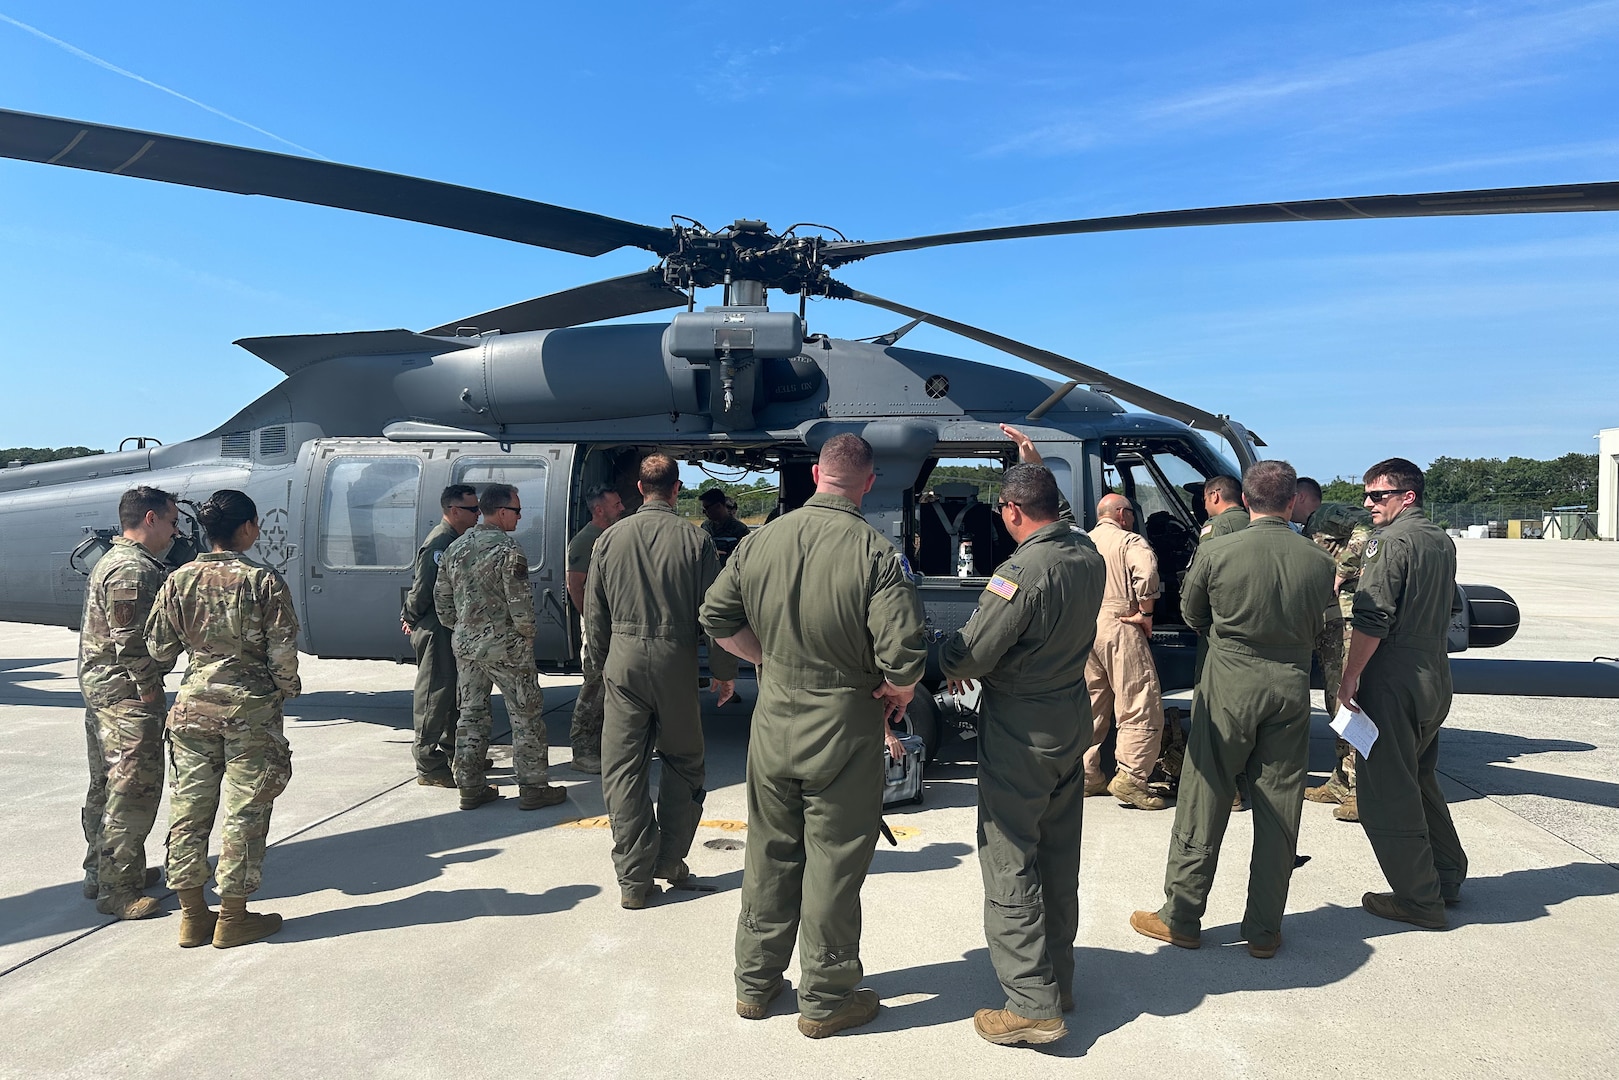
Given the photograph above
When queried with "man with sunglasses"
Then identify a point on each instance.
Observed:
(483, 593)
(1028, 642)
(433, 710)
(1398, 671)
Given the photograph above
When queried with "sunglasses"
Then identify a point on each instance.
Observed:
(1379, 496)
(518, 510)
(473, 509)
(1002, 504)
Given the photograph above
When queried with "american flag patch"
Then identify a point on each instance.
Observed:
(1001, 587)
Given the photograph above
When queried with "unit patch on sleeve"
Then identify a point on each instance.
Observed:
(1001, 587)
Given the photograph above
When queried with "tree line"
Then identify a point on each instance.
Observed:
(33, 455)
(1570, 480)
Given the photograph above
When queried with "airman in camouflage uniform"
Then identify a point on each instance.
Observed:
(483, 593)
(124, 706)
(1341, 531)
(585, 731)
(236, 623)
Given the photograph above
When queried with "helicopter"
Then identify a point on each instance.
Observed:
(345, 455)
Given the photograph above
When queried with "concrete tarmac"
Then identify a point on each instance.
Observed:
(424, 941)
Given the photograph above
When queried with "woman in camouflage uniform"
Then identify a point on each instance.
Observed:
(236, 622)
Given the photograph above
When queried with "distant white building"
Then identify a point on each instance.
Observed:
(1608, 484)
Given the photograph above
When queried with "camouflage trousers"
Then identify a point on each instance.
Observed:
(125, 745)
(520, 686)
(589, 709)
(250, 763)
(1331, 646)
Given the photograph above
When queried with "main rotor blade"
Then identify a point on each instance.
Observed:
(219, 167)
(1563, 198)
(628, 295)
(1096, 378)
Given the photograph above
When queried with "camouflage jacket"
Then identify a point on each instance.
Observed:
(1341, 531)
(236, 622)
(114, 664)
(482, 592)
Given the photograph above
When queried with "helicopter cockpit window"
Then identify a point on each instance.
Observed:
(368, 513)
(529, 477)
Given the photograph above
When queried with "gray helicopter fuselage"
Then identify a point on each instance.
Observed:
(345, 458)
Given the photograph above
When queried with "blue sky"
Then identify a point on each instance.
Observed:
(1340, 343)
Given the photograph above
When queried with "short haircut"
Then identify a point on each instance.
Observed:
(133, 507)
(712, 494)
(1269, 486)
(1309, 486)
(659, 475)
(1224, 486)
(452, 495)
(226, 511)
(496, 496)
(596, 493)
(1033, 488)
(846, 455)
(1405, 475)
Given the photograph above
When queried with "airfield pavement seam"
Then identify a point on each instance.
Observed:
(1494, 801)
(494, 739)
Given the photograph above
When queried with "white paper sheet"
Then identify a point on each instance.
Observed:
(1356, 729)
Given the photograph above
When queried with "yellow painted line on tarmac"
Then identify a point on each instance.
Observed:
(901, 832)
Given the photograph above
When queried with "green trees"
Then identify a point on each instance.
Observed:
(30, 455)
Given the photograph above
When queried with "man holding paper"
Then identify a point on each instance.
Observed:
(1257, 596)
(1398, 674)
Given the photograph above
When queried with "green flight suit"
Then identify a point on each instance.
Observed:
(647, 579)
(1028, 642)
(1257, 596)
(585, 729)
(433, 707)
(836, 612)
(1231, 519)
(1407, 585)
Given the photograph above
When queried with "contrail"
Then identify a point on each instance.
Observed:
(115, 69)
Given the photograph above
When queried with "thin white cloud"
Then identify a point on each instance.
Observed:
(1483, 60)
(115, 69)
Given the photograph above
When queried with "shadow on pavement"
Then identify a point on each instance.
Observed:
(431, 908)
(399, 854)
(1486, 762)
(15, 673)
(1324, 946)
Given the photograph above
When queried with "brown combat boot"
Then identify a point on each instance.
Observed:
(635, 899)
(858, 1008)
(197, 922)
(1003, 1027)
(127, 904)
(756, 1010)
(435, 780)
(1349, 810)
(1098, 788)
(1333, 791)
(1148, 924)
(1132, 792)
(586, 761)
(1388, 906)
(1265, 952)
(472, 798)
(537, 798)
(239, 926)
(674, 871)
